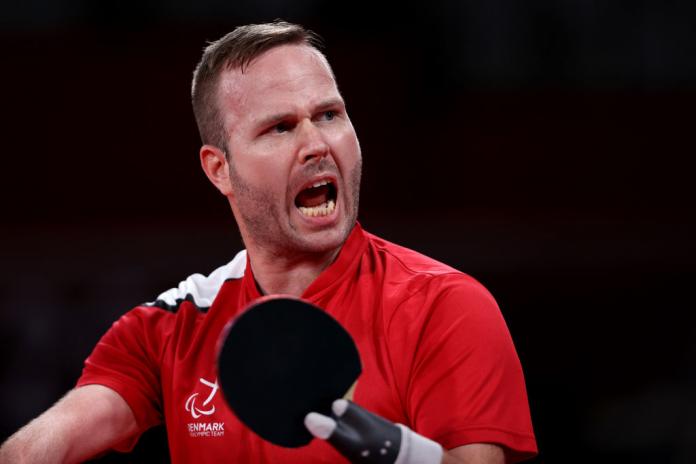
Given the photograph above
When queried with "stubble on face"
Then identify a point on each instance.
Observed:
(261, 212)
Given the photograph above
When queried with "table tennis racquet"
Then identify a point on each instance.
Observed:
(279, 360)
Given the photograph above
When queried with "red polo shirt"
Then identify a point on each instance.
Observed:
(436, 355)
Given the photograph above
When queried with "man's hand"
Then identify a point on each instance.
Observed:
(364, 437)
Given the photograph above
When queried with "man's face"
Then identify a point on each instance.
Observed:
(295, 160)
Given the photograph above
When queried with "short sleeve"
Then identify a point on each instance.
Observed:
(126, 359)
(466, 383)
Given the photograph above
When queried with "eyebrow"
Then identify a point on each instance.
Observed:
(279, 117)
(273, 119)
(330, 103)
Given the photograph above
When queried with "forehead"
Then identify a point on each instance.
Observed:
(285, 78)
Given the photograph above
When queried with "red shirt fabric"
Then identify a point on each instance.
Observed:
(436, 354)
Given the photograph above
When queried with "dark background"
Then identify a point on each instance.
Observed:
(543, 147)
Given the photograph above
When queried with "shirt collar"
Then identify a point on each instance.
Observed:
(350, 251)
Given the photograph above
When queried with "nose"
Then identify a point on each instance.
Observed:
(312, 146)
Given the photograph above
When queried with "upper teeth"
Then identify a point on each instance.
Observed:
(320, 183)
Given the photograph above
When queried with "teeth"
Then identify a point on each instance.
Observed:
(320, 183)
(320, 210)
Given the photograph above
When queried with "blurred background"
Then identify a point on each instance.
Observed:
(542, 147)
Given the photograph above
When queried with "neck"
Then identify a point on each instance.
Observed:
(288, 275)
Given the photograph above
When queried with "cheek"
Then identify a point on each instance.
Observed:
(348, 148)
(262, 165)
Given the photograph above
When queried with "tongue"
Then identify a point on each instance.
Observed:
(313, 196)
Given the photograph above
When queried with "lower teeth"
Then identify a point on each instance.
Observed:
(320, 210)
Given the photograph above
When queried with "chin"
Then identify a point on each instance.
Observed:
(325, 241)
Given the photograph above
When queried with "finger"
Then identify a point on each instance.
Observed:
(319, 425)
(339, 407)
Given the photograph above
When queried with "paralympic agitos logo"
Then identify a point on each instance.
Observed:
(198, 409)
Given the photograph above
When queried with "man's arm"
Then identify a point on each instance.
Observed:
(477, 453)
(84, 422)
(364, 437)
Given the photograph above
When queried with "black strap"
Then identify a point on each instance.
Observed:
(363, 437)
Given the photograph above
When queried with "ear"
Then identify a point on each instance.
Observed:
(215, 165)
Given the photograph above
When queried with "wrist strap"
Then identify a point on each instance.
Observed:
(417, 449)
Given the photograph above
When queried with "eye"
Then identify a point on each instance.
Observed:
(282, 127)
(329, 115)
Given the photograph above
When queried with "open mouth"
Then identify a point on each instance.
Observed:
(317, 200)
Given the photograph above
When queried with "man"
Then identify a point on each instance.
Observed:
(436, 354)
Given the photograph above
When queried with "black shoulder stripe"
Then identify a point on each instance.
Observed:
(175, 307)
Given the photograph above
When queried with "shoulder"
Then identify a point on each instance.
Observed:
(409, 260)
(190, 299)
(419, 288)
(422, 273)
(201, 290)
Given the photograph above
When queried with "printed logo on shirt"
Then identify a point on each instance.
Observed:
(202, 409)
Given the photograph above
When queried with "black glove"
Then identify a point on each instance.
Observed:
(364, 437)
